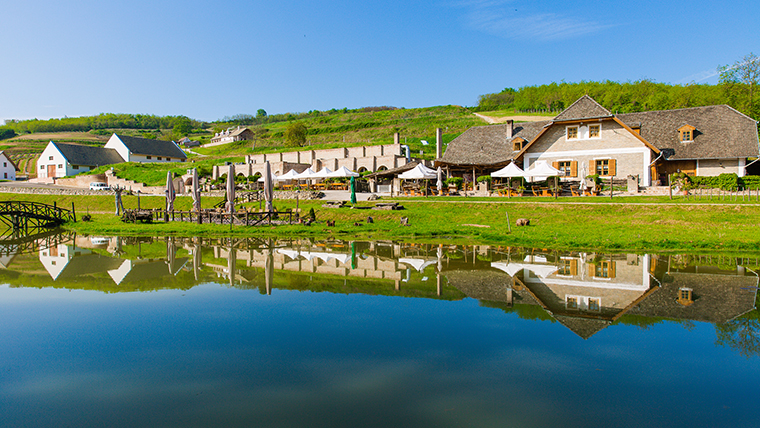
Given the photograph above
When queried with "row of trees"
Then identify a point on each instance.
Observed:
(103, 121)
(737, 87)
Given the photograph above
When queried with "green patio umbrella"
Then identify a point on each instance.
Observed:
(353, 190)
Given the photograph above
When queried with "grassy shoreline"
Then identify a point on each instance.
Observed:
(638, 224)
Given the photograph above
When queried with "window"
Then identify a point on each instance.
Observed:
(568, 267)
(60, 166)
(565, 168)
(5, 175)
(593, 304)
(5, 164)
(572, 303)
(42, 166)
(602, 167)
(686, 133)
(158, 158)
(147, 157)
(517, 146)
(572, 132)
(50, 158)
(685, 296)
(75, 167)
(604, 269)
(594, 131)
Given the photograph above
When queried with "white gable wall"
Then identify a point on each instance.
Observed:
(115, 143)
(52, 157)
(7, 170)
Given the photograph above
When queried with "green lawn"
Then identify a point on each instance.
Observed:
(640, 224)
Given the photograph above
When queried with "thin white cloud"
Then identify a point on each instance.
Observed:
(698, 77)
(503, 18)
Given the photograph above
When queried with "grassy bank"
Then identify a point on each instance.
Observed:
(645, 224)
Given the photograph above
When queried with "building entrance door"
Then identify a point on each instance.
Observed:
(51, 171)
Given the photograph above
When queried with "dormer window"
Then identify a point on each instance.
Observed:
(685, 296)
(518, 144)
(686, 133)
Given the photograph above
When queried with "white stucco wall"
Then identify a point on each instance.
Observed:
(615, 142)
(714, 167)
(7, 170)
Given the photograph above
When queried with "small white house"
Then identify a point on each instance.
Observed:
(7, 168)
(63, 160)
(143, 150)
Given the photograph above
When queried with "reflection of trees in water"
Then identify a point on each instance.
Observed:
(741, 335)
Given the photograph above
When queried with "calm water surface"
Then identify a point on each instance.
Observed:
(199, 332)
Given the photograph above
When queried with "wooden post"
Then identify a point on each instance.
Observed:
(670, 187)
(73, 212)
(611, 187)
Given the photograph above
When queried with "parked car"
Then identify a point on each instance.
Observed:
(99, 186)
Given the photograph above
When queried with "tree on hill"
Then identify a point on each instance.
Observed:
(7, 133)
(261, 115)
(295, 134)
(739, 82)
(182, 127)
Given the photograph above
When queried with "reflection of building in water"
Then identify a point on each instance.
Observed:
(68, 261)
(64, 261)
(584, 293)
(701, 293)
(139, 270)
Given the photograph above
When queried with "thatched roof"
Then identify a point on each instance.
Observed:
(488, 145)
(721, 132)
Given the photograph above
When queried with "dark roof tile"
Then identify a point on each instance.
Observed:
(144, 146)
(78, 154)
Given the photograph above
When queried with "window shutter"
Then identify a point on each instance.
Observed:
(591, 269)
(574, 169)
(611, 271)
(574, 267)
(555, 165)
(613, 167)
(591, 167)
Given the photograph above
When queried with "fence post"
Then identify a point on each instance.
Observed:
(73, 212)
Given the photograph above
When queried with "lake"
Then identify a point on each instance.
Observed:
(167, 331)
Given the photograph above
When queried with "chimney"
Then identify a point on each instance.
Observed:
(438, 143)
(396, 138)
(510, 129)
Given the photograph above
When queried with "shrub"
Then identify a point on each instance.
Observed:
(484, 178)
(728, 181)
(455, 181)
(596, 178)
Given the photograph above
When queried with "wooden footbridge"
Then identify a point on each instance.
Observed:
(21, 216)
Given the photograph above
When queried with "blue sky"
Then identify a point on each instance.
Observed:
(207, 60)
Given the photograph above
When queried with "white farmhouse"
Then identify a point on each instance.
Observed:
(63, 160)
(7, 168)
(143, 150)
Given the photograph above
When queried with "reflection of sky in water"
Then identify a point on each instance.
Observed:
(221, 356)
